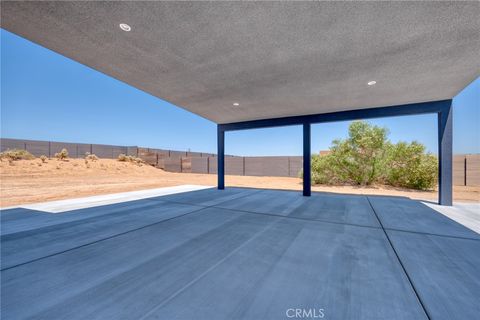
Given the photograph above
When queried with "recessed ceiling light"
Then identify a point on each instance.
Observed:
(236, 104)
(125, 27)
(371, 83)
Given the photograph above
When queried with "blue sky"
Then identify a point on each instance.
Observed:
(45, 96)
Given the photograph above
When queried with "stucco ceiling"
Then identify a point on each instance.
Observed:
(275, 59)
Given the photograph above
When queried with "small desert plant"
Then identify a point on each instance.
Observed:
(43, 158)
(16, 154)
(89, 156)
(123, 158)
(62, 155)
(138, 160)
(132, 159)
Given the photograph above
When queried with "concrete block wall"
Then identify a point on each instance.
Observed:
(466, 168)
(38, 148)
(212, 165)
(234, 166)
(295, 166)
(186, 164)
(459, 170)
(82, 149)
(206, 155)
(9, 144)
(172, 164)
(267, 166)
(132, 151)
(259, 166)
(473, 170)
(194, 154)
(148, 156)
(177, 154)
(107, 151)
(199, 165)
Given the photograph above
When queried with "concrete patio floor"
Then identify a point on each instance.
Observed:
(240, 254)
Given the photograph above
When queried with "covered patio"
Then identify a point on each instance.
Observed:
(246, 65)
(240, 254)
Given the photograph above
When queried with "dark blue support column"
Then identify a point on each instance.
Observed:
(307, 175)
(445, 156)
(221, 158)
(441, 107)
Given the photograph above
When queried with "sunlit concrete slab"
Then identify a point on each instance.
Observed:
(173, 259)
(105, 199)
(22, 247)
(405, 214)
(467, 214)
(21, 219)
(32, 216)
(216, 264)
(61, 280)
(444, 271)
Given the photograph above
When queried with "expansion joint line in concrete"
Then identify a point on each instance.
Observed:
(400, 261)
(100, 240)
(433, 234)
(110, 237)
(273, 215)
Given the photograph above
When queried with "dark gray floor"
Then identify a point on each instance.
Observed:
(240, 254)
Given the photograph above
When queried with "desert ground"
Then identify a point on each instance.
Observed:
(30, 181)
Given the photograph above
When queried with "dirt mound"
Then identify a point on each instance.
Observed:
(76, 167)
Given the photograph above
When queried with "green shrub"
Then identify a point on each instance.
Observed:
(16, 154)
(359, 159)
(409, 166)
(367, 157)
(324, 171)
(62, 155)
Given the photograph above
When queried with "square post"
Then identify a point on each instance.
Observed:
(307, 175)
(445, 156)
(220, 158)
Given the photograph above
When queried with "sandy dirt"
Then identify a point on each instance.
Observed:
(30, 181)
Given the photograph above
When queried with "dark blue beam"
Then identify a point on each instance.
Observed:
(445, 157)
(220, 158)
(442, 108)
(392, 111)
(307, 168)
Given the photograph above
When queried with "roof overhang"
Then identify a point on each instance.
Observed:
(275, 59)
